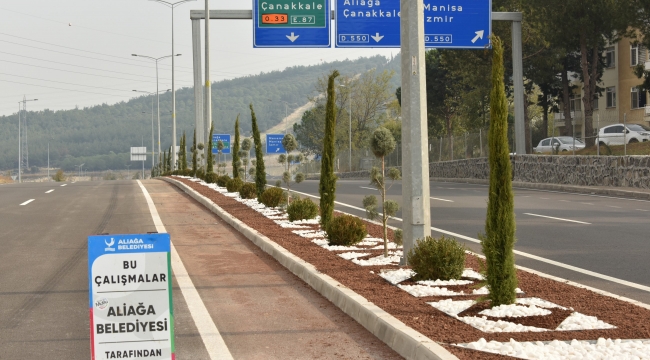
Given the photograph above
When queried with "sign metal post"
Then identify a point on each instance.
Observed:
(130, 293)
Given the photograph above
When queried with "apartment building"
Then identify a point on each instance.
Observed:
(621, 96)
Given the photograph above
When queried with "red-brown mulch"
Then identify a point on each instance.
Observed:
(632, 322)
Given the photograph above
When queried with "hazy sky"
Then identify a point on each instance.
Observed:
(71, 53)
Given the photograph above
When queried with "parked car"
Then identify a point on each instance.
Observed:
(561, 143)
(613, 134)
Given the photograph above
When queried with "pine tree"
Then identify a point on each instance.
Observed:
(499, 240)
(235, 151)
(327, 186)
(260, 172)
(194, 154)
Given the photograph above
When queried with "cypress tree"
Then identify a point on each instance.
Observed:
(194, 154)
(169, 159)
(327, 186)
(499, 239)
(235, 151)
(210, 169)
(183, 150)
(260, 172)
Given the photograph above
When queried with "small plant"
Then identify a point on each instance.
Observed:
(248, 191)
(223, 180)
(234, 185)
(346, 230)
(434, 259)
(244, 155)
(59, 176)
(211, 178)
(398, 237)
(302, 209)
(272, 197)
(278, 183)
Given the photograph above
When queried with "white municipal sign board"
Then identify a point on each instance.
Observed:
(130, 285)
(461, 24)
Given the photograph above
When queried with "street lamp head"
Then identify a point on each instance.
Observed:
(179, 54)
(134, 54)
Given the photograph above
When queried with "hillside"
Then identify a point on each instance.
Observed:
(101, 136)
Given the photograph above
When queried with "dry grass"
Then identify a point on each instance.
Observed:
(5, 180)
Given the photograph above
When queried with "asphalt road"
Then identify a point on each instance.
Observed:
(261, 309)
(605, 235)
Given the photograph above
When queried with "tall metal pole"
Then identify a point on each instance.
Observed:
(208, 90)
(173, 100)
(518, 79)
(26, 142)
(20, 158)
(416, 202)
(158, 104)
(198, 81)
(48, 161)
(152, 140)
(350, 134)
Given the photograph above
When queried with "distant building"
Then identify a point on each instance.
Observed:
(620, 95)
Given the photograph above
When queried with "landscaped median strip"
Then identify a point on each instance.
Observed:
(401, 338)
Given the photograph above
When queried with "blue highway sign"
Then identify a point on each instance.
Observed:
(291, 23)
(225, 139)
(274, 144)
(463, 24)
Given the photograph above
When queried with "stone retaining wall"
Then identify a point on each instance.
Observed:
(627, 171)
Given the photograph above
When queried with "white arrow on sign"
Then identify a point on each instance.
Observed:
(292, 37)
(277, 150)
(479, 35)
(377, 37)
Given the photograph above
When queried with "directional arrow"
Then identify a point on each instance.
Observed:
(293, 37)
(277, 150)
(377, 38)
(479, 35)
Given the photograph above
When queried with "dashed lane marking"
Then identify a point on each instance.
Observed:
(49, 191)
(557, 218)
(27, 202)
(442, 199)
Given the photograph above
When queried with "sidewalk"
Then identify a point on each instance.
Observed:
(261, 309)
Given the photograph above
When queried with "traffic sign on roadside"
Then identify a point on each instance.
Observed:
(465, 24)
(130, 285)
(274, 144)
(225, 139)
(291, 23)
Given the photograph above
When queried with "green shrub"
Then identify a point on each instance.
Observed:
(210, 178)
(223, 180)
(233, 185)
(302, 209)
(398, 236)
(200, 173)
(434, 259)
(346, 230)
(248, 191)
(273, 197)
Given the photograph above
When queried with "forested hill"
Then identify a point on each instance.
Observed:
(101, 135)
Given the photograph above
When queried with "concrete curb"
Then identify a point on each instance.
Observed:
(401, 338)
(558, 187)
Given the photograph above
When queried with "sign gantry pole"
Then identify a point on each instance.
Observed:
(208, 89)
(416, 208)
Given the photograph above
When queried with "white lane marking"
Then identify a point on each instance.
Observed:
(523, 254)
(557, 218)
(544, 198)
(64, 184)
(642, 210)
(442, 199)
(212, 340)
(564, 200)
(615, 207)
(587, 204)
(49, 191)
(363, 187)
(27, 202)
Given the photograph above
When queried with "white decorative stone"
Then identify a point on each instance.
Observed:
(397, 276)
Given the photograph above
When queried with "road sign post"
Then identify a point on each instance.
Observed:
(274, 144)
(291, 23)
(131, 312)
(465, 24)
(225, 139)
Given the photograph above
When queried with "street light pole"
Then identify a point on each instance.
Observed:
(172, 6)
(20, 144)
(152, 136)
(157, 92)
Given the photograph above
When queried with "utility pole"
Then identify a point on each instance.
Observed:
(208, 88)
(416, 204)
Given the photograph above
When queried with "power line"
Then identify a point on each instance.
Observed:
(66, 83)
(56, 88)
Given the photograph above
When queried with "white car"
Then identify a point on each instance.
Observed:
(613, 134)
(561, 143)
